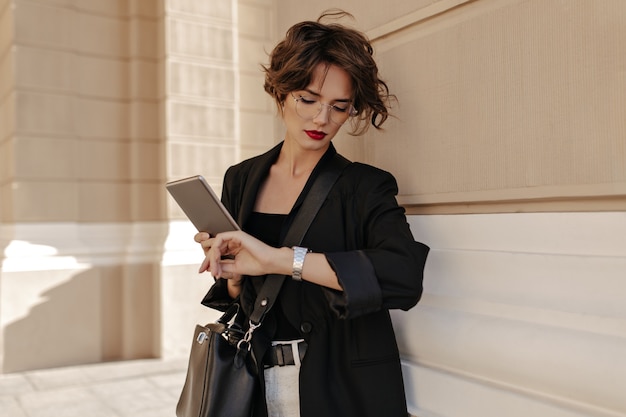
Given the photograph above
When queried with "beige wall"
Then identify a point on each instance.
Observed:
(510, 102)
(522, 315)
(82, 166)
(511, 110)
(82, 127)
(508, 109)
(503, 105)
(101, 103)
(216, 114)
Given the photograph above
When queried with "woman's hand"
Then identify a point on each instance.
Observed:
(232, 254)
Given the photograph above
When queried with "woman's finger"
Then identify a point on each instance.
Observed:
(204, 266)
(201, 236)
(213, 257)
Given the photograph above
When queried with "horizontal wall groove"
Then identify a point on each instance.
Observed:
(176, 56)
(124, 56)
(574, 203)
(76, 181)
(553, 400)
(117, 140)
(75, 53)
(205, 20)
(204, 63)
(551, 193)
(530, 253)
(204, 141)
(470, 309)
(125, 16)
(208, 102)
(35, 90)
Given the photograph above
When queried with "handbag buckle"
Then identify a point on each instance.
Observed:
(245, 341)
(202, 336)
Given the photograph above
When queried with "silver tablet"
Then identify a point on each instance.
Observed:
(201, 205)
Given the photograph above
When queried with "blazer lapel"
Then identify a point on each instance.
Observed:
(257, 174)
(255, 177)
(252, 183)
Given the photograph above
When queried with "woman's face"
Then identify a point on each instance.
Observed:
(313, 116)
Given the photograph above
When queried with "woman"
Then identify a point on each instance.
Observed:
(332, 322)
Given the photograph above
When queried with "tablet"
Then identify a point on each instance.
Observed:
(201, 205)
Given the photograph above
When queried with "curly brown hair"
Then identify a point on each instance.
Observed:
(307, 44)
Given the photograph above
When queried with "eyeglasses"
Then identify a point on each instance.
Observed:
(309, 108)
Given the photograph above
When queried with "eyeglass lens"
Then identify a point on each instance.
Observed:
(309, 108)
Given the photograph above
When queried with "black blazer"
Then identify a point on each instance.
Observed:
(352, 365)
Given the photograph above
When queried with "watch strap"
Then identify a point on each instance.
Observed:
(299, 253)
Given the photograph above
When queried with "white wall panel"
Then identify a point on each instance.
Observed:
(523, 314)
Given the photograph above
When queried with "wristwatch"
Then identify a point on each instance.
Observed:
(298, 262)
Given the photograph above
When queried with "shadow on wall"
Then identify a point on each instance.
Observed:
(57, 318)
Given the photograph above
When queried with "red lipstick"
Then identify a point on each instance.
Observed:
(315, 134)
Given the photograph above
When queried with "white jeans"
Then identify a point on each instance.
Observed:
(282, 387)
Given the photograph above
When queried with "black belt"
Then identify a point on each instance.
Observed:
(282, 354)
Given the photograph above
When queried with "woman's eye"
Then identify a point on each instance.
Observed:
(340, 109)
(307, 100)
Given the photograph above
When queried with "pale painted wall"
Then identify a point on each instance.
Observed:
(509, 109)
(512, 110)
(101, 103)
(81, 174)
(523, 315)
(218, 115)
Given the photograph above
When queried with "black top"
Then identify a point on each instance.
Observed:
(268, 228)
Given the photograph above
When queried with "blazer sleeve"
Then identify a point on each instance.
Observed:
(387, 272)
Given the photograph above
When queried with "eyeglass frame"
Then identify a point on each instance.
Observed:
(331, 107)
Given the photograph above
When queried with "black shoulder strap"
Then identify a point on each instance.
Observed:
(310, 206)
